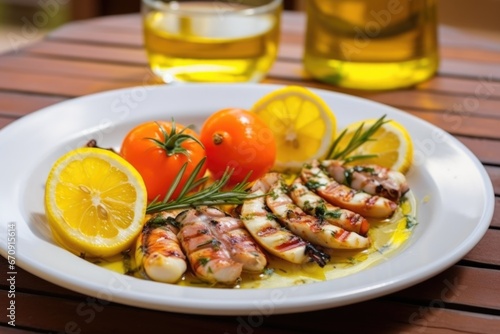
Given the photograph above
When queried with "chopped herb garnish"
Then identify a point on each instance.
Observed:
(214, 243)
(411, 221)
(336, 214)
(313, 185)
(203, 260)
(270, 216)
(348, 173)
(159, 221)
(308, 207)
(268, 271)
(274, 195)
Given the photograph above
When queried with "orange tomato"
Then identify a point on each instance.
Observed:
(238, 139)
(158, 150)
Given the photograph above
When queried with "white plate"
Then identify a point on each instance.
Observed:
(455, 200)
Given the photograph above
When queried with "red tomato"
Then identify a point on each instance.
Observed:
(238, 139)
(159, 162)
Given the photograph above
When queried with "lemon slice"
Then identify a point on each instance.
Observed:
(391, 143)
(95, 202)
(302, 123)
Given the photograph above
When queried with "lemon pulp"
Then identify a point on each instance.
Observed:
(303, 125)
(95, 202)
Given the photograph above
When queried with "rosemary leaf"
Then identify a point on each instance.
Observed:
(213, 194)
(359, 137)
(188, 185)
(175, 183)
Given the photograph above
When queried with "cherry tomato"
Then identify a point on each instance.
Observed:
(158, 150)
(238, 139)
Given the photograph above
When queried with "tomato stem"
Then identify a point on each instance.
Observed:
(172, 142)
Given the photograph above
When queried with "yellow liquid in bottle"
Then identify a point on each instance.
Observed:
(371, 44)
(221, 47)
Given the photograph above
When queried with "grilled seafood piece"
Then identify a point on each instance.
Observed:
(158, 251)
(309, 227)
(314, 205)
(341, 195)
(269, 233)
(372, 179)
(210, 259)
(232, 233)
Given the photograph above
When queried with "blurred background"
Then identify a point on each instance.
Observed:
(37, 17)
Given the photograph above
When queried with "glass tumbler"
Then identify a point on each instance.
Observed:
(211, 41)
(371, 44)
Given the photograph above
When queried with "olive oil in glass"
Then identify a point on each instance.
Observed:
(211, 41)
(371, 44)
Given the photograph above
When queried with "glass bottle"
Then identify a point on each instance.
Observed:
(371, 44)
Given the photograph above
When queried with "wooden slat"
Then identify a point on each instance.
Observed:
(485, 149)
(128, 22)
(458, 285)
(93, 316)
(466, 39)
(487, 250)
(95, 34)
(389, 317)
(483, 88)
(17, 104)
(59, 85)
(494, 173)
(4, 121)
(451, 52)
(89, 315)
(461, 125)
(496, 217)
(462, 68)
(74, 68)
(113, 54)
(431, 101)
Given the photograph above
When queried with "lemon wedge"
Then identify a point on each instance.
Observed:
(391, 143)
(95, 202)
(303, 125)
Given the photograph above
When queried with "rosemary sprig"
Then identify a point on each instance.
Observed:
(359, 137)
(211, 195)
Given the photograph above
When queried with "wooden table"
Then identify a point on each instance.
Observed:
(106, 53)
